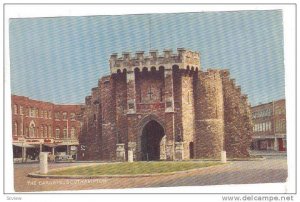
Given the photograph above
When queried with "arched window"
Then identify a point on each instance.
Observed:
(31, 129)
(16, 129)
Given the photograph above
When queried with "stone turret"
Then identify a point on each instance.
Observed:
(209, 123)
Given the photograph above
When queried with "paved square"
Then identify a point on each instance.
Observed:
(271, 170)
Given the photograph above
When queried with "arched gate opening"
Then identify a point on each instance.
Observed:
(151, 140)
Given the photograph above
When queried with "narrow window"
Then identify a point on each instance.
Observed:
(65, 132)
(65, 116)
(21, 110)
(57, 133)
(26, 131)
(15, 109)
(16, 129)
(73, 132)
(31, 112)
(72, 115)
(32, 130)
(42, 131)
(57, 115)
(46, 131)
(49, 131)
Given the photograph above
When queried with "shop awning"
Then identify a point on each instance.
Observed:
(24, 145)
(59, 145)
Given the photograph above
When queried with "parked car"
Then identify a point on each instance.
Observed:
(62, 156)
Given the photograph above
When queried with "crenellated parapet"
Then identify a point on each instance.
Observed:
(184, 59)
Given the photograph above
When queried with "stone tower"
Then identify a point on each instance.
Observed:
(163, 107)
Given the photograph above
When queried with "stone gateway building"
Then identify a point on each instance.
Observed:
(164, 107)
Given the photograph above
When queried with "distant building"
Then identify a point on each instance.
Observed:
(43, 126)
(269, 126)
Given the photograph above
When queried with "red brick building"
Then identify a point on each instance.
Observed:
(44, 126)
(163, 107)
(269, 126)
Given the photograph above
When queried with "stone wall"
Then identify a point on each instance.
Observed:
(90, 139)
(108, 105)
(237, 119)
(121, 109)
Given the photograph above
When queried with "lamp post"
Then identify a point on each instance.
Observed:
(68, 152)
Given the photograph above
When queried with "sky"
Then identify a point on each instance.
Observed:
(59, 59)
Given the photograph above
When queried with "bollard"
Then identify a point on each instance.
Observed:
(130, 156)
(223, 157)
(121, 152)
(43, 162)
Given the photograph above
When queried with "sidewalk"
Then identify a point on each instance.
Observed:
(267, 153)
